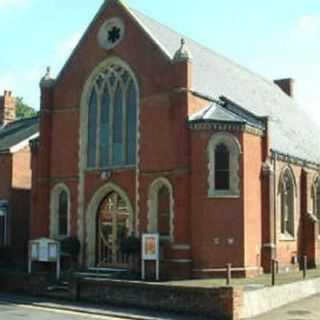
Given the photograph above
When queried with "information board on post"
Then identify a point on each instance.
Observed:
(150, 252)
(44, 250)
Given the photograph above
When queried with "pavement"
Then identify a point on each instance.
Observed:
(307, 309)
(13, 307)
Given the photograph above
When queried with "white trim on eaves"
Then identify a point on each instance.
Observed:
(22, 144)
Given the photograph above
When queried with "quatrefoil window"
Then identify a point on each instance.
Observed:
(111, 33)
(114, 34)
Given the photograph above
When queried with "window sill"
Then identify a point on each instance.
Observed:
(287, 237)
(213, 194)
(59, 237)
(114, 168)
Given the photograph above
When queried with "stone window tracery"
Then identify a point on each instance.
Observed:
(224, 156)
(112, 119)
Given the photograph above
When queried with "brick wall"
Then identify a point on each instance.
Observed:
(217, 303)
(21, 169)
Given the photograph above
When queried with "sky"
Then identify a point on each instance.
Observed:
(277, 39)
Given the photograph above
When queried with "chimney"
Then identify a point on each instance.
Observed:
(7, 108)
(286, 85)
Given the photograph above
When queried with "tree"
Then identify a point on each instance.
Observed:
(23, 110)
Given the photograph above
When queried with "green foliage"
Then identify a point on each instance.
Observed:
(23, 110)
(130, 245)
(70, 246)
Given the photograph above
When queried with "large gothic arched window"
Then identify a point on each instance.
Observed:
(112, 119)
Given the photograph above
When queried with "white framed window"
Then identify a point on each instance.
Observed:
(60, 211)
(224, 155)
(112, 119)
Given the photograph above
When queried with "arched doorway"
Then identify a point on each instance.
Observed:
(113, 227)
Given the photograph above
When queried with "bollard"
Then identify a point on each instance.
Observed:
(305, 267)
(228, 280)
(273, 272)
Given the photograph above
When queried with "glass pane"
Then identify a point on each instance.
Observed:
(113, 223)
(164, 211)
(117, 146)
(222, 180)
(104, 128)
(132, 124)
(92, 129)
(318, 200)
(63, 213)
(222, 157)
(2, 231)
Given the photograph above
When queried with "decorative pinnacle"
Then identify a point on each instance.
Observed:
(47, 74)
(183, 53)
(46, 80)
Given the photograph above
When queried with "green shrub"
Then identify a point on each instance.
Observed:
(130, 245)
(70, 246)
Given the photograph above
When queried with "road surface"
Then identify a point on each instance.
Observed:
(10, 311)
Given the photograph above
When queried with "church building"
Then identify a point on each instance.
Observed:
(147, 131)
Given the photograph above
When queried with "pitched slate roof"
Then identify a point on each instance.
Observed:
(215, 112)
(17, 132)
(224, 111)
(292, 131)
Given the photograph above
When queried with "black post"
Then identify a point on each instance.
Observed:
(305, 267)
(273, 272)
(229, 267)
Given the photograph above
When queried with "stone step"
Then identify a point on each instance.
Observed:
(56, 288)
(107, 270)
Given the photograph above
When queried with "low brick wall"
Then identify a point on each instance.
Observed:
(22, 283)
(216, 303)
(260, 301)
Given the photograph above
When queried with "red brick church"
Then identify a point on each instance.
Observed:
(146, 131)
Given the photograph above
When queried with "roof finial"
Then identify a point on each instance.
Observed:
(48, 70)
(46, 80)
(183, 53)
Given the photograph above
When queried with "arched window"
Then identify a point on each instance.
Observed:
(224, 155)
(112, 119)
(287, 190)
(164, 211)
(316, 198)
(161, 209)
(63, 214)
(60, 211)
(222, 170)
(318, 201)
